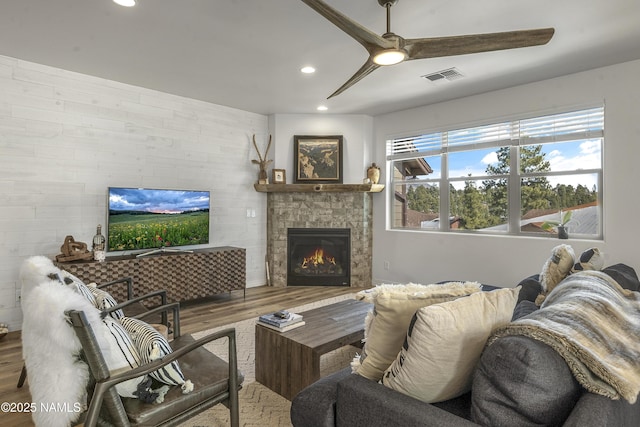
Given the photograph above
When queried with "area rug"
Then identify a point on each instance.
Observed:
(260, 406)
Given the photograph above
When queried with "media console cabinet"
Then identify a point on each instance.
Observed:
(184, 275)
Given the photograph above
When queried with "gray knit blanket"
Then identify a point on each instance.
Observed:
(594, 324)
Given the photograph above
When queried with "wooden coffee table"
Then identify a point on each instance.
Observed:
(287, 362)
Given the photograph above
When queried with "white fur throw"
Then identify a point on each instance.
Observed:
(369, 295)
(50, 350)
(33, 271)
(57, 377)
(48, 341)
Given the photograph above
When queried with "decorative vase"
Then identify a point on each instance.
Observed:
(373, 173)
(563, 232)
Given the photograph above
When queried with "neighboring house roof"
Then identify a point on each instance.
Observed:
(454, 222)
(584, 220)
(415, 167)
(416, 218)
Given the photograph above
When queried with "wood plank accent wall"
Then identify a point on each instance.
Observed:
(66, 137)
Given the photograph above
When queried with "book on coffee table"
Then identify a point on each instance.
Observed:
(282, 328)
(274, 320)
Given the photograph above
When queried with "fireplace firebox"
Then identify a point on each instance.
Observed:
(319, 257)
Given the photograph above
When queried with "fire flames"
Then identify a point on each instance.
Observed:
(318, 259)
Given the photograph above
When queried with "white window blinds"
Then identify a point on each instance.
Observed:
(574, 125)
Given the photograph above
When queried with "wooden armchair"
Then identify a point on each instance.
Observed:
(215, 381)
(134, 306)
(131, 307)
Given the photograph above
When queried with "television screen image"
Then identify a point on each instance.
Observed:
(144, 218)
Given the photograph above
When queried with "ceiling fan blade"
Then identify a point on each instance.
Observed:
(370, 40)
(474, 43)
(364, 71)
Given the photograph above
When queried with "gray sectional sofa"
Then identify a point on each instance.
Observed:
(518, 382)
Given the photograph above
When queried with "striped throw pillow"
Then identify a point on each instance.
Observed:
(151, 346)
(79, 286)
(121, 355)
(104, 300)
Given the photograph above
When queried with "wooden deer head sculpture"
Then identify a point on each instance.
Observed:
(262, 162)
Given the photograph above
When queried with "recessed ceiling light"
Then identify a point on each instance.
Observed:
(308, 70)
(322, 108)
(125, 3)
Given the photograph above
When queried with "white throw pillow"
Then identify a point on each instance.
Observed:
(392, 313)
(444, 343)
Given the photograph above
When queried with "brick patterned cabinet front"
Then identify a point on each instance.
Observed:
(185, 276)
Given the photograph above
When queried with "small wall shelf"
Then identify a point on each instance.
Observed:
(319, 188)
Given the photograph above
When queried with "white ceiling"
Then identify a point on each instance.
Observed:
(247, 53)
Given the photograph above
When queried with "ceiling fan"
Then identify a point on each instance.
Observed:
(390, 48)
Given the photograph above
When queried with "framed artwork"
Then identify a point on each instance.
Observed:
(318, 159)
(279, 176)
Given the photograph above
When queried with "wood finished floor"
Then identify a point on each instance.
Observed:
(194, 317)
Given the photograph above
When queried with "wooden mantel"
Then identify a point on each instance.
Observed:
(319, 188)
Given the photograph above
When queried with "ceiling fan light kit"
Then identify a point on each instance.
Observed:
(125, 3)
(390, 48)
(390, 57)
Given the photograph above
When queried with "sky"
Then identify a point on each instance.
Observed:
(565, 156)
(157, 201)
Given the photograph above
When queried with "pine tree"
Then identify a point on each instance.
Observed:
(535, 192)
(423, 198)
(475, 214)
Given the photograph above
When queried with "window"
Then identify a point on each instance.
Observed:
(520, 177)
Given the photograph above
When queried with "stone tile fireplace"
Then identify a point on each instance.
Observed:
(351, 210)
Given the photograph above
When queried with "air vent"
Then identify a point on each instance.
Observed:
(450, 74)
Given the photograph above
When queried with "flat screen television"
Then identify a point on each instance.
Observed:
(156, 220)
